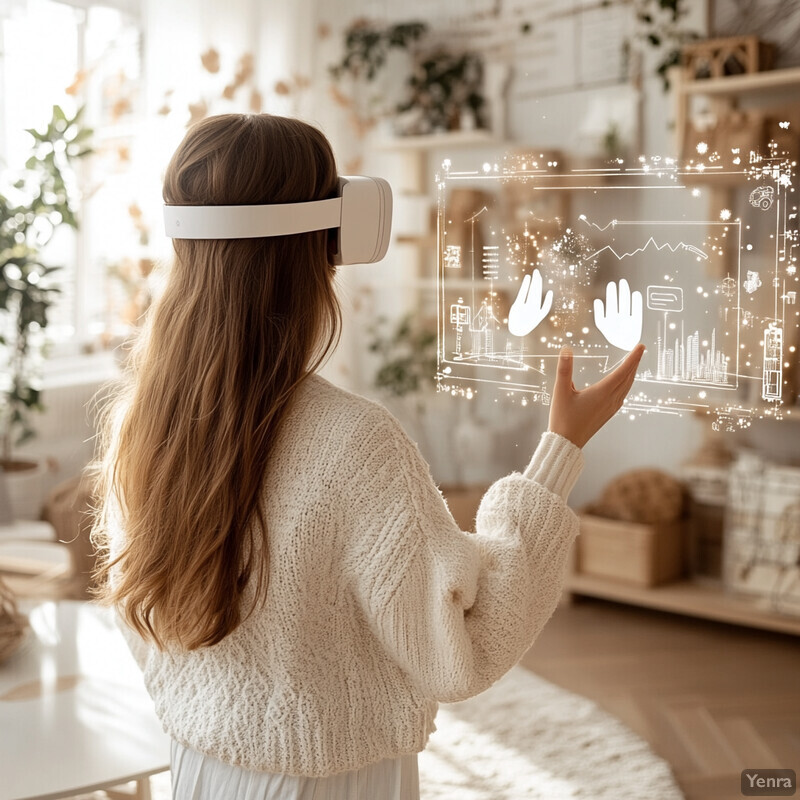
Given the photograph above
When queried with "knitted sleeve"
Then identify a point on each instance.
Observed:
(457, 610)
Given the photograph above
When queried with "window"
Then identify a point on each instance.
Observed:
(72, 54)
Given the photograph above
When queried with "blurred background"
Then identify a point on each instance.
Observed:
(96, 95)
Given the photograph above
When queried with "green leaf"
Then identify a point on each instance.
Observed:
(78, 115)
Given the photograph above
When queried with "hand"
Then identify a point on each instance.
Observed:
(620, 323)
(578, 416)
(528, 309)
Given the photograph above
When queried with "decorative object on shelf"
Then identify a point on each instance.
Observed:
(776, 21)
(634, 532)
(13, 625)
(31, 210)
(631, 552)
(762, 533)
(736, 55)
(641, 495)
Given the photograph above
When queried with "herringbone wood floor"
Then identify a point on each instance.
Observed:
(712, 699)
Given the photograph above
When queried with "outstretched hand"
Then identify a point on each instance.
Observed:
(578, 416)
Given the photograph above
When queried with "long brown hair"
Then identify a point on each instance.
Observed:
(185, 443)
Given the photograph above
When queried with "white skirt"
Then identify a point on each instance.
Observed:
(199, 777)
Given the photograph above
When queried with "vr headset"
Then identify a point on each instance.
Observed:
(362, 212)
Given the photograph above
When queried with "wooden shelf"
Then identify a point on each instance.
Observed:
(724, 93)
(743, 84)
(454, 139)
(691, 599)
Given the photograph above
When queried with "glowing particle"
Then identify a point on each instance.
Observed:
(702, 148)
(487, 167)
(725, 214)
(695, 192)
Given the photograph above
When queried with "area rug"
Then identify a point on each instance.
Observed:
(526, 739)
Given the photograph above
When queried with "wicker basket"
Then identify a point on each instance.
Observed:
(12, 624)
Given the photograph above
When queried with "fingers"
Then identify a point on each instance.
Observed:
(628, 367)
(563, 384)
(623, 372)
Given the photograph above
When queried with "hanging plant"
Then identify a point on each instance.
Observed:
(661, 28)
(367, 46)
(359, 74)
(442, 89)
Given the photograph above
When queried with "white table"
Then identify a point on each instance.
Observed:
(74, 713)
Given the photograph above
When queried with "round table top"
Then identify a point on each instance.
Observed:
(74, 713)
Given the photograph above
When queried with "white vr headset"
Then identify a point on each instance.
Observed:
(362, 212)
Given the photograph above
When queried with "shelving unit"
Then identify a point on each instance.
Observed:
(415, 186)
(725, 91)
(687, 598)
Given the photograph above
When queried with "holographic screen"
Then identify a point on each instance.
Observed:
(696, 259)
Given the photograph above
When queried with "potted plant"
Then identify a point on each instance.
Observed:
(445, 93)
(32, 208)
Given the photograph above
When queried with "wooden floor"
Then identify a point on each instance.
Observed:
(712, 699)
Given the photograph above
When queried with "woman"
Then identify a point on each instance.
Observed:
(286, 572)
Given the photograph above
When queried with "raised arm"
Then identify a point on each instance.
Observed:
(457, 610)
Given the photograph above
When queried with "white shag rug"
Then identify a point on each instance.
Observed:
(527, 739)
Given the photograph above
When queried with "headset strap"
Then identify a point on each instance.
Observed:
(250, 222)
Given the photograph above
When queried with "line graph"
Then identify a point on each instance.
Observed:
(651, 241)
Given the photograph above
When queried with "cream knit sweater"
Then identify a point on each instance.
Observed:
(378, 606)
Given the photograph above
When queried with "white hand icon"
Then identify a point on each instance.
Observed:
(528, 309)
(620, 323)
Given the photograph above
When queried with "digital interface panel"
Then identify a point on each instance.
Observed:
(696, 259)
